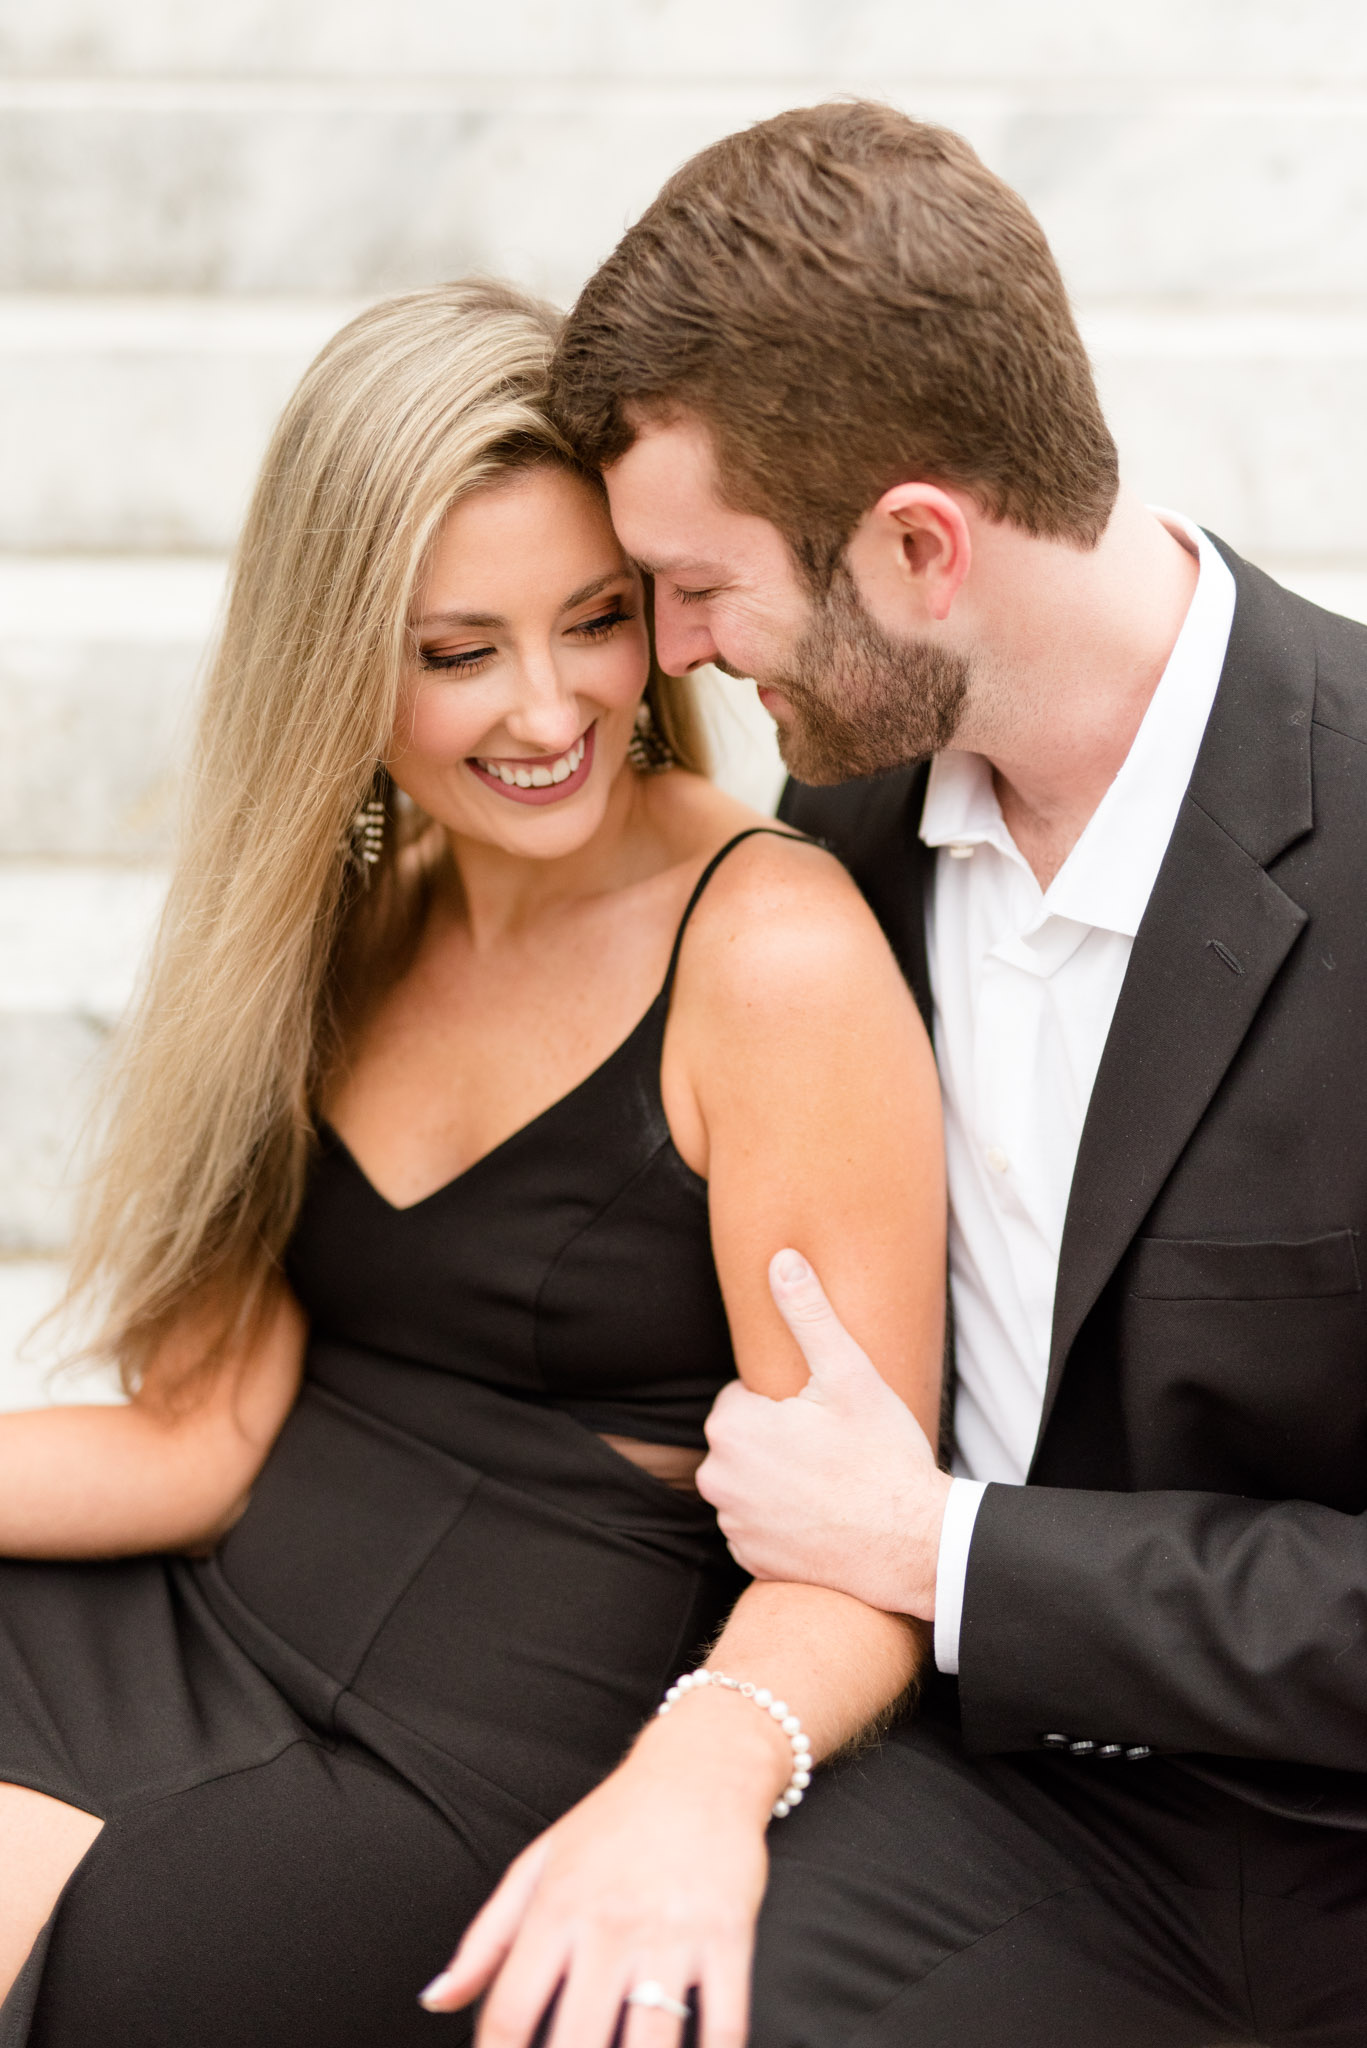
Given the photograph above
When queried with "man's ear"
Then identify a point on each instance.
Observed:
(912, 551)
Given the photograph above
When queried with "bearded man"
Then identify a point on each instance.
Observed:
(1105, 786)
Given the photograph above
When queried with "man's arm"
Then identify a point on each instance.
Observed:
(1181, 1621)
(1177, 1621)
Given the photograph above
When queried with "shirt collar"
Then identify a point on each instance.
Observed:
(1108, 877)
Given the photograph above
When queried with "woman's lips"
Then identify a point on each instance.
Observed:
(575, 764)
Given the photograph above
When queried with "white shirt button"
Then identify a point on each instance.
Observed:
(961, 852)
(997, 1159)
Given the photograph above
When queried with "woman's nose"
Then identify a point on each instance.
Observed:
(547, 717)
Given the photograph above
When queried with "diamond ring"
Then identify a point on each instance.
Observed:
(657, 1998)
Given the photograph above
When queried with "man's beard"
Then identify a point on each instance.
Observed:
(862, 702)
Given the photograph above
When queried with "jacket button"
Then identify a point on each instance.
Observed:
(1137, 1752)
(1054, 1741)
(1082, 1747)
(1109, 1749)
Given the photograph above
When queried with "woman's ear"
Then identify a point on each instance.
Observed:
(911, 553)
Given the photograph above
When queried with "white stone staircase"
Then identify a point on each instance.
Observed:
(195, 197)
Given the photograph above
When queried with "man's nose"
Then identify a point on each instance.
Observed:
(683, 641)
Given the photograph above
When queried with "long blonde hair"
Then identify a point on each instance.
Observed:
(208, 1111)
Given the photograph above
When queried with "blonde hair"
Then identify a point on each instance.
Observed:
(208, 1112)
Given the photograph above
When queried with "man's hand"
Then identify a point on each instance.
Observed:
(837, 1487)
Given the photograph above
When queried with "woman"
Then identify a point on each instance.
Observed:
(480, 1070)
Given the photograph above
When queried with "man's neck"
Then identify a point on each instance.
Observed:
(1077, 646)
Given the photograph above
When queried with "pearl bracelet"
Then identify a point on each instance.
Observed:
(777, 1710)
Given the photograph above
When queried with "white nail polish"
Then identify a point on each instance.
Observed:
(438, 1988)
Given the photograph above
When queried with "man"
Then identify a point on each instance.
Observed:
(847, 424)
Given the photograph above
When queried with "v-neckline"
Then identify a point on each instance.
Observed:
(522, 1131)
(661, 1002)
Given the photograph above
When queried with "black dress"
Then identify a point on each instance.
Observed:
(444, 1614)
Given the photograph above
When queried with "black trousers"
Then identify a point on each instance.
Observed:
(922, 1899)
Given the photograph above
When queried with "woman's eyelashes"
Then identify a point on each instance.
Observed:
(469, 660)
(597, 628)
(465, 659)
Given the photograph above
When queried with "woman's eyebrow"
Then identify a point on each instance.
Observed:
(588, 590)
(481, 622)
(489, 622)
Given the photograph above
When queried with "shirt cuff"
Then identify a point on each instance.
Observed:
(951, 1569)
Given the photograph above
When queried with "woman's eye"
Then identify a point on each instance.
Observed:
(596, 629)
(467, 658)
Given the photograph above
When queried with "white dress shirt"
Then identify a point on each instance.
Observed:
(1025, 983)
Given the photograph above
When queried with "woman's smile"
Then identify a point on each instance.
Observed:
(538, 778)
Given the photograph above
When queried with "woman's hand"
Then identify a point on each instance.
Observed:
(656, 1877)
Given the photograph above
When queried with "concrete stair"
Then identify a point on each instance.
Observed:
(197, 197)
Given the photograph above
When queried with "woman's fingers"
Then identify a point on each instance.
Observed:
(523, 1989)
(655, 2026)
(489, 1937)
(724, 1997)
(590, 1999)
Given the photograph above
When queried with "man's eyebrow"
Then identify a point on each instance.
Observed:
(710, 572)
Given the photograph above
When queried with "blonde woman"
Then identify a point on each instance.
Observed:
(487, 1054)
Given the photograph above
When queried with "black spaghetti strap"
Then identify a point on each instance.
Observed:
(750, 832)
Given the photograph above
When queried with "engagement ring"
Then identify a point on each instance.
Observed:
(654, 1995)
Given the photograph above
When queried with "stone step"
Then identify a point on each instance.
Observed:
(71, 938)
(819, 49)
(98, 662)
(135, 425)
(340, 186)
(1252, 423)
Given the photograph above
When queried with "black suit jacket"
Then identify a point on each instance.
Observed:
(1186, 1569)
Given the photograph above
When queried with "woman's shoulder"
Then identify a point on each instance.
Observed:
(781, 919)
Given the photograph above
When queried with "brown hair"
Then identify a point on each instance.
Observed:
(848, 299)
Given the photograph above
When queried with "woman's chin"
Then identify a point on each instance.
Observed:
(536, 831)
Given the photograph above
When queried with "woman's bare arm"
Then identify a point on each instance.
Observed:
(815, 1116)
(117, 1481)
(801, 1083)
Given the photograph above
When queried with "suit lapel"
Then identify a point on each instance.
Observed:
(1215, 933)
(897, 890)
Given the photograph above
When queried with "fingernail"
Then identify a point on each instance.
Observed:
(438, 1988)
(791, 1267)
